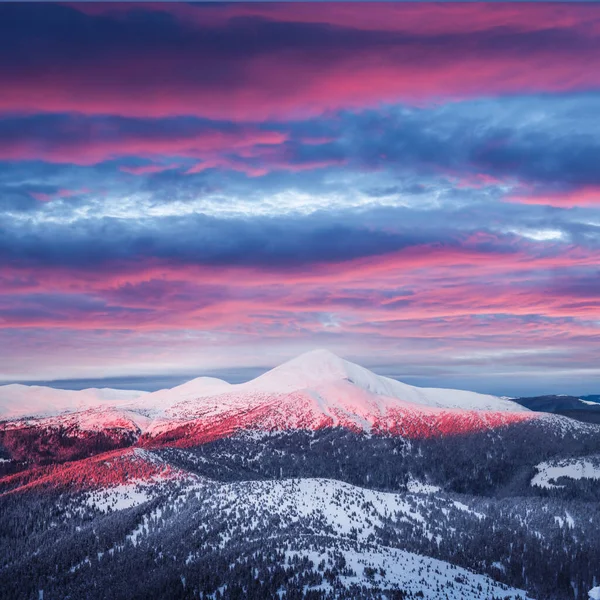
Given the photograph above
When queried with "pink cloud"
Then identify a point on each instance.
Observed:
(450, 51)
(41, 196)
(378, 16)
(444, 283)
(586, 196)
(92, 150)
(61, 193)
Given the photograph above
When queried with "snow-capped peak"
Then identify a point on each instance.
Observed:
(305, 371)
(157, 403)
(196, 388)
(328, 385)
(321, 367)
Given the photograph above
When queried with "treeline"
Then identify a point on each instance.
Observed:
(490, 463)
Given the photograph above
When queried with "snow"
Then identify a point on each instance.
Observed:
(337, 508)
(325, 500)
(399, 569)
(574, 468)
(319, 367)
(347, 518)
(465, 508)
(317, 389)
(417, 487)
(99, 418)
(332, 384)
(594, 593)
(137, 490)
(18, 401)
(118, 498)
(589, 402)
(567, 519)
(560, 521)
(158, 403)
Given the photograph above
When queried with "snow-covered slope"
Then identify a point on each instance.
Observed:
(334, 383)
(347, 518)
(315, 390)
(321, 367)
(571, 468)
(17, 401)
(161, 402)
(391, 569)
(324, 534)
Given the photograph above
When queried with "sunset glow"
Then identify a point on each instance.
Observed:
(207, 188)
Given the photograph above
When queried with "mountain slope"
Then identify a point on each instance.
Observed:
(316, 390)
(321, 367)
(18, 401)
(582, 408)
(99, 519)
(313, 391)
(317, 535)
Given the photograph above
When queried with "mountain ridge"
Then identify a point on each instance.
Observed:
(307, 371)
(581, 408)
(313, 391)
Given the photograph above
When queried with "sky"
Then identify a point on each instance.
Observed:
(215, 188)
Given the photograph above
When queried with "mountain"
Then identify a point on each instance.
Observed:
(313, 391)
(18, 401)
(322, 369)
(319, 480)
(582, 408)
(193, 537)
(310, 372)
(316, 390)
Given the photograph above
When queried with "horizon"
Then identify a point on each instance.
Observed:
(213, 188)
(152, 383)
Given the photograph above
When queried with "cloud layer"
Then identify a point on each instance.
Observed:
(415, 186)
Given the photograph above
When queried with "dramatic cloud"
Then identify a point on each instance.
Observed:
(196, 187)
(254, 63)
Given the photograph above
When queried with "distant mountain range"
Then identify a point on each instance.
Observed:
(582, 408)
(317, 480)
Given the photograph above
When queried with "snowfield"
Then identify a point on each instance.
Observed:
(313, 391)
(313, 370)
(576, 468)
(391, 568)
(119, 497)
(316, 390)
(18, 401)
(327, 506)
(319, 367)
(344, 509)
